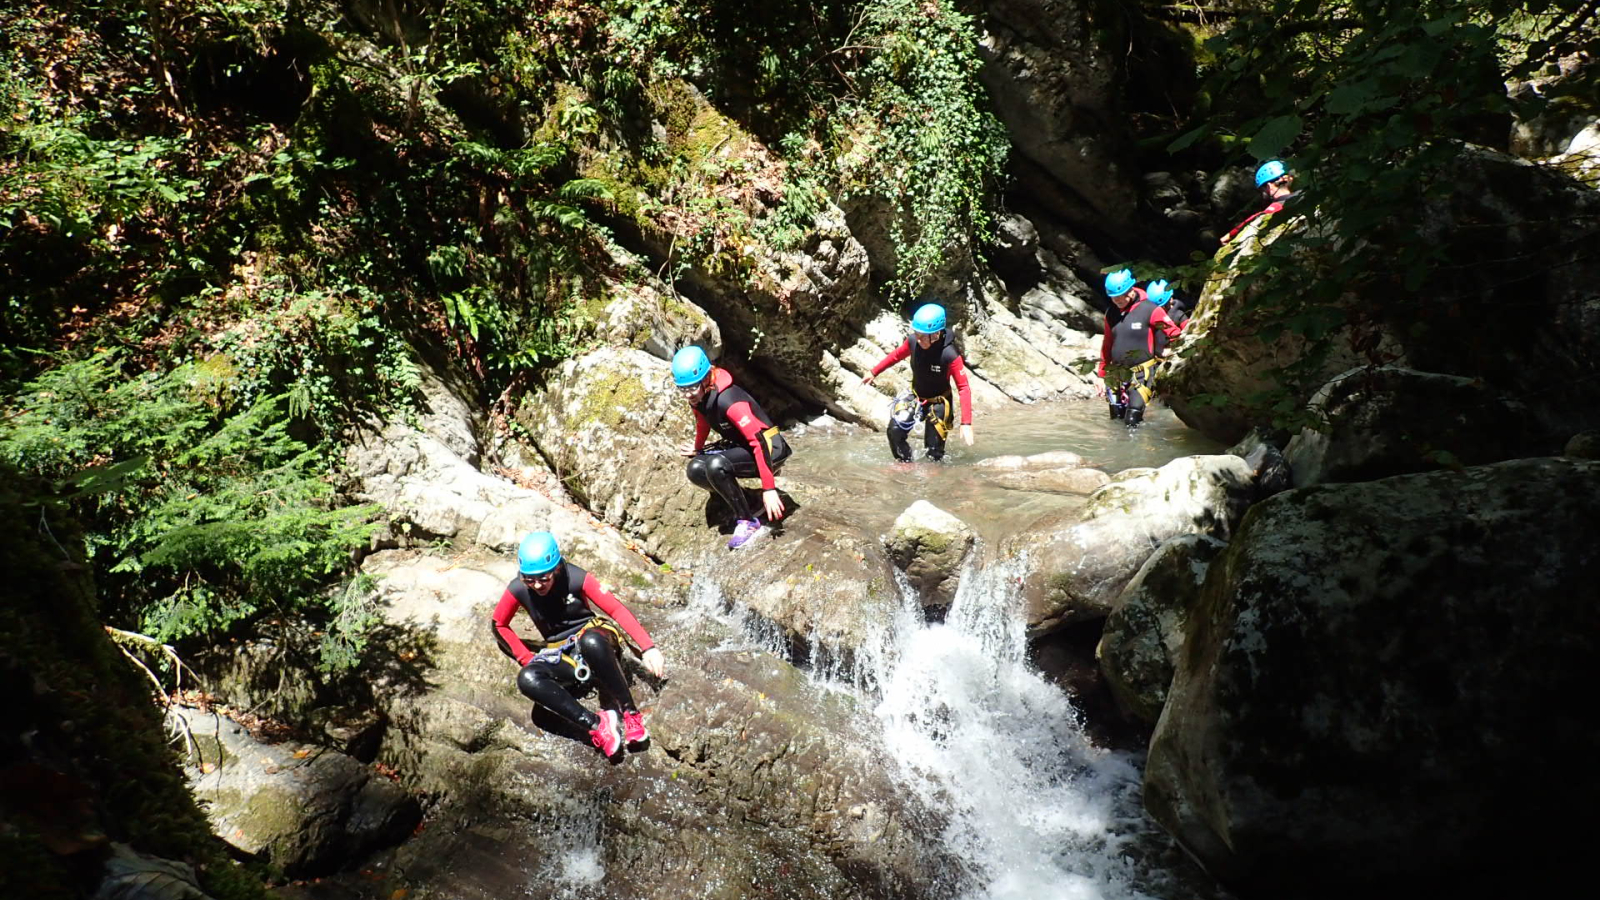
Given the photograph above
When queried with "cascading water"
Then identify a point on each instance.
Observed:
(1033, 810)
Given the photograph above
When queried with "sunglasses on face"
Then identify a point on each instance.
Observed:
(546, 578)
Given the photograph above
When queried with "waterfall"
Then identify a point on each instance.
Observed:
(1034, 810)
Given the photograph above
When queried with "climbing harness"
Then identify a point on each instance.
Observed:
(566, 650)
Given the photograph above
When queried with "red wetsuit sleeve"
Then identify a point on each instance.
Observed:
(611, 606)
(958, 373)
(751, 427)
(899, 353)
(1275, 206)
(1105, 351)
(1161, 320)
(504, 611)
(701, 429)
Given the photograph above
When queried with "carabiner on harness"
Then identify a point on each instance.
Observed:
(906, 411)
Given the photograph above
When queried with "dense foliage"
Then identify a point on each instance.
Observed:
(1370, 101)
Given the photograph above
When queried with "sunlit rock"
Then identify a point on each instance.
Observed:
(1394, 672)
(930, 546)
(1079, 564)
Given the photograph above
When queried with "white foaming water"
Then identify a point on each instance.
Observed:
(576, 861)
(1033, 810)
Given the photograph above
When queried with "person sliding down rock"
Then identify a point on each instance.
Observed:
(1130, 349)
(935, 362)
(1276, 184)
(578, 647)
(751, 446)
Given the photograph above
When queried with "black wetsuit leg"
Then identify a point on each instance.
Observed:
(937, 412)
(715, 471)
(719, 469)
(545, 683)
(599, 651)
(899, 442)
(1138, 387)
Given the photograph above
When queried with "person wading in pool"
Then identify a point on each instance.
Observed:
(935, 363)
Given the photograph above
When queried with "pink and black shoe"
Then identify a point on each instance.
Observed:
(633, 730)
(607, 735)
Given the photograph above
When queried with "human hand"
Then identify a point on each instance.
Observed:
(1226, 238)
(966, 434)
(868, 378)
(687, 448)
(654, 662)
(773, 504)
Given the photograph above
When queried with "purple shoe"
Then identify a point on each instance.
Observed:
(743, 532)
(607, 736)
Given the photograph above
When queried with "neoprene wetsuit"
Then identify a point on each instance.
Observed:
(751, 446)
(932, 370)
(1133, 341)
(559, 614)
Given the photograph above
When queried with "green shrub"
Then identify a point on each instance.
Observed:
(198, 517)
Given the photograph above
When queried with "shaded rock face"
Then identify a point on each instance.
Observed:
(930, 546)
(751, 775)
(1513, 232)
(307, 810)
(1077, 568)
(1057, 90)
(1393, 421)
(1391, 672)
(1270, 469)
(1145, 633)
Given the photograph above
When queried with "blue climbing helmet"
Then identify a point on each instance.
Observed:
(538, 553)
(1271, 170)
(929, 319)
(1119, 282)
(690, 366)
(1158, 291)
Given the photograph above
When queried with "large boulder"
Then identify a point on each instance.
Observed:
(742, 746)
(607, 423)
(1145, 632)
(1514, 236)
(1077, 567)
(1392, 421)
(930, 546)
(305, 809)
(1394, 672)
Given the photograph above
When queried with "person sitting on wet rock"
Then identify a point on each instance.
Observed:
(751, 446)
(1130, 349)
(1276, 184)
(579, 646)
(935, 362)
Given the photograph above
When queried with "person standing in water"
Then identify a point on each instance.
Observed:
(578, 645)
(1130, 350)
(935, 362)
(751, 446)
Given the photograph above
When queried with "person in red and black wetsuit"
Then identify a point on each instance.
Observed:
(935, 362)
(751, 446)
(1276, 184)
(578, 646)
(1132, 345)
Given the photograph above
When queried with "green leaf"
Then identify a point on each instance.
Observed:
(1188, 138)
(1274, 136)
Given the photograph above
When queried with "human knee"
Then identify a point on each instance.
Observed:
(698, 472)
(533, 680)
(596, 644)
